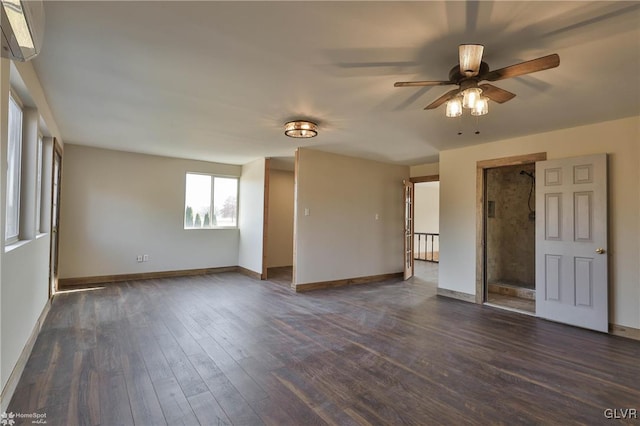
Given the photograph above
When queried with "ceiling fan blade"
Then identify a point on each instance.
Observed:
(496, 94)
(442, 99)
(470, 59)
(422, 83)
(535, 65)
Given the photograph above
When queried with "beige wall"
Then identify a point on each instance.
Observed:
(280, 220)
(619, 138)
(428, 169)
(117, 205)
(251, 215)
(341, 238)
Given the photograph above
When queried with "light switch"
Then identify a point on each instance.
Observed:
(306, 212)
(377, 216)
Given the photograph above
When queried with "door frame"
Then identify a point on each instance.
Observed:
(481, 223)
(54, 252)
(412, 181)
(265, 218)
(407, 234)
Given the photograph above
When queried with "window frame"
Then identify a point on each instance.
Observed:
(39, 173)
(13, 97)
(213, 177)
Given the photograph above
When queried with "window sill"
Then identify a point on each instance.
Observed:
(43, 234)
(16, 244)
(217, 228)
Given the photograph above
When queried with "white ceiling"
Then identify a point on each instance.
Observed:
(216, 80)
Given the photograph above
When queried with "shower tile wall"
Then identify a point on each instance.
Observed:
(510, 233)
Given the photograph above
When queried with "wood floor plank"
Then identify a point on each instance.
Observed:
(207, 410)
(230, 399)
(228, 349)
(115, 408)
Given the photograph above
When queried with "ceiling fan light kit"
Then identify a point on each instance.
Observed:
(301, 129)
(470, 71)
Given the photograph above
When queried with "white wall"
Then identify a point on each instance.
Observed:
(280, 219)
(427, 207)
(341, 238)
(25, 292)
(117, 205)
(619, 138)
(426, 216)
(251, 215)
(24, 268)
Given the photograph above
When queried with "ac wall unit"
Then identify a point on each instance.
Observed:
(22, 25)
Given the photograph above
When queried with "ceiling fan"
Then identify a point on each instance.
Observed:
(471, 71)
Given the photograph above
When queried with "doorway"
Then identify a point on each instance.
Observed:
(504, 198)
(279, 213)
(422, 229)
(510, 230)
(56, 179)
(426, 236)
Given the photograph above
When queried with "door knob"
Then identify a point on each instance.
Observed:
(600, 250)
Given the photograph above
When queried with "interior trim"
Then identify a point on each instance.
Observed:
(265, 218)
(624, 331)
(299, 288)
(480, 224)
(107, 279)
(458, 295)
(420, 179)
(249, 273)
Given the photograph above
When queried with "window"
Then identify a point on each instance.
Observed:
(39, 185)
(210, 201)
(14, 152)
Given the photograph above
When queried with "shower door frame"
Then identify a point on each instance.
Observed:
(481, 206)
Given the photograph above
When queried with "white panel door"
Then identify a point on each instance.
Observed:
(571, 241)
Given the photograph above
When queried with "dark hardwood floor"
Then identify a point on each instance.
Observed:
(227, 349)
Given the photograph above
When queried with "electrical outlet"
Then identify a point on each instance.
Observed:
(139, 259)
(145, 258)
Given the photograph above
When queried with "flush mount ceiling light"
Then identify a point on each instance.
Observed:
(301, 129)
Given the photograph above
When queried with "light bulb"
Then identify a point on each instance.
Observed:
(471, 96)
(454, 107)
(481, 106)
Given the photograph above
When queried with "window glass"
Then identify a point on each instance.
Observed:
(210, 201)
(225, 201)
(14, 151)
